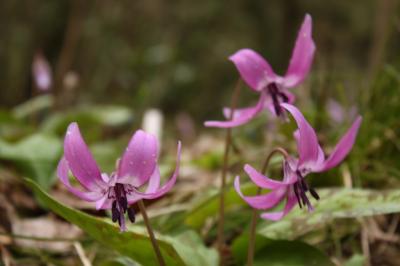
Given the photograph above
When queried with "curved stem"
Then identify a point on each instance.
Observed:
(157, 250)
(228, 143)
(253, 225)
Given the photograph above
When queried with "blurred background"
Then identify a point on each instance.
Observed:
(147, 53)
(111, 61)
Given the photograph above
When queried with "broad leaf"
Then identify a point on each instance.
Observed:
(280, 253)
(36, 156)
(334, 203)
(192, 250)
(33, 106)
(90, 117)
(185, 249)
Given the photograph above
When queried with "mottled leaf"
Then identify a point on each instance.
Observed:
(334, 203)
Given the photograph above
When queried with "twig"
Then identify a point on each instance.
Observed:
(71, 39)
(81, 253)
(228, 141)
(5, 256)
(365, 243)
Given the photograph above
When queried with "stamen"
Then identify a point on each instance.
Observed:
(284, 97)
(114, 212)
(300, 188)
(314, 194)
(296, 192)
(275, 93)
(123, 203)
(131, 215)
(120, 205)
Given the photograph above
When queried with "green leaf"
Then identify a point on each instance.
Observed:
(280, 253)
(356, 260)
(191, 248)
(209, 206)
(89, 117)
(334, 203)
(32, 106)
(36, 156)
(185, 249)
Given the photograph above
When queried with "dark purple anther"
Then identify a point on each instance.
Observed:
(131, 214)
(300, 188)
(120, 205)
(277, 98)
(114, 212)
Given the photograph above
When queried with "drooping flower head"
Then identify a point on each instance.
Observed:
(41, 72)
(118, 190)
(294, 188)
(261, 78)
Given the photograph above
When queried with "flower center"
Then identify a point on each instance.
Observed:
(300, 188)
(120, 204)
(277, 97)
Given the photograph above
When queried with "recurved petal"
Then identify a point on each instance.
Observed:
(253, 68)
(266, 201)
(276, 216)
(307, 143)
(240, 116)
(343, 147)
(139, 160)
(313, 165)
(152, 191)
(302, 56)
(263, 181)
(80, 160)
(62, 173)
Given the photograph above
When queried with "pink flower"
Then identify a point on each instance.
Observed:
(261, 78)
(293, 187)
(41, 72)
(137, 166)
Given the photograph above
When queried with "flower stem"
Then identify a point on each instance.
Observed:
(157, 250)
(228, 142)
(253, 225)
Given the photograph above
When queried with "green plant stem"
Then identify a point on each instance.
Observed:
(228, 143)
(153, 240)
(253, 225)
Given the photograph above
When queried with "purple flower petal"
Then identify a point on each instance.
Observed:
(266, 201)
(343, 147)
(263, 181)
(308, 142)
(313, 165)
(81, 161)
(104, 203)
(253, 68)
(240, 116)
(62, 173)
(154, 184)
(302, 56)
(276, 216)
(139, 159)
(152, 191)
